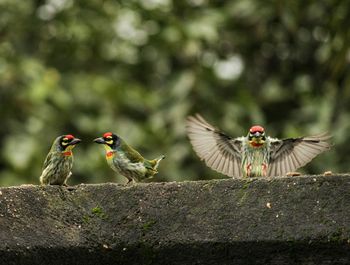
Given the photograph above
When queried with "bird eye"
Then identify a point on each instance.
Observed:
(65, 141)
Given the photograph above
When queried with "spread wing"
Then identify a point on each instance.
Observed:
(290, 154)
(219, 151)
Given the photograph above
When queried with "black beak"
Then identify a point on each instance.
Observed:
(99, 140)
(257, 134)
(75, 141)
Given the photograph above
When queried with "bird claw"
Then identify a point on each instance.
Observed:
(70, 188)
(293, 174)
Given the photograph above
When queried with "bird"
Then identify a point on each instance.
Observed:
(59, 161)
(125, 160)
(254, 155)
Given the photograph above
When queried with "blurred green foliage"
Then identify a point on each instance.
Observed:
(138, 68)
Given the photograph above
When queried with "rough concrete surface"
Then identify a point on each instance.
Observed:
(291, 220)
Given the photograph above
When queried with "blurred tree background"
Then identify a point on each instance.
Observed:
(139, 68)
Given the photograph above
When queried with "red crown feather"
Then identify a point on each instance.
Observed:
(107, 134)
(256, 128)
(69, 136)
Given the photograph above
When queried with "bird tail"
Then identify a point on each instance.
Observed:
(155, 162)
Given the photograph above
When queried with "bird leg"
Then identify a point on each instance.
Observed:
(264, 169)
(248, 168)
(129, 180)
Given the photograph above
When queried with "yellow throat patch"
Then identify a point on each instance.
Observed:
(256, 142)
(109, 152)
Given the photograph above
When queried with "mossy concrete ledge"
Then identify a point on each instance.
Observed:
(290, 220)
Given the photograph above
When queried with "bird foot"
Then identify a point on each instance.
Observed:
(70, 188)
(293, 174)
(328, 173)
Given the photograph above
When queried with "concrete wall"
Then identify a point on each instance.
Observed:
(296, 220)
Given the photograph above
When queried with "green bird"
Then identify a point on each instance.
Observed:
(255, 155)
(59, 161)
(125, 160)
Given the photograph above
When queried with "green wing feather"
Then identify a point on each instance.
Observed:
(136, 157)
(131, 153)
(47, 160)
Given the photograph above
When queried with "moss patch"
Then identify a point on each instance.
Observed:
(96, 212)
(148, 225)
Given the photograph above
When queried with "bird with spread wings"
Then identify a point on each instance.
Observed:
(254, 155)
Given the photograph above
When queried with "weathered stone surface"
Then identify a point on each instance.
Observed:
(297, 220)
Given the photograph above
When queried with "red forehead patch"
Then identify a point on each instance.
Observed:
(107, 134)
(256, 128)
(69, 136)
